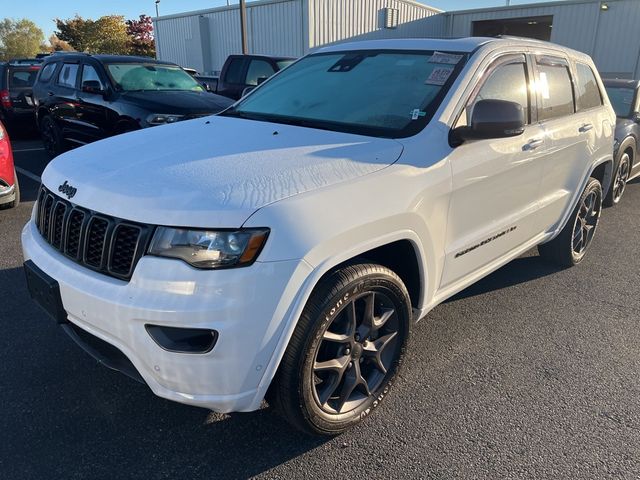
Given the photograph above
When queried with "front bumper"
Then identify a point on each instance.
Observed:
(246, 306)
(7, 194)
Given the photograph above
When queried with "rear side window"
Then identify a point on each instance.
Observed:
(588, 94)
(554, 90)
(68, 75)
(22, 78)
(234, 71)
(47, 72)
(258, 69)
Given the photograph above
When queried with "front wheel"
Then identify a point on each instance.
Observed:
(51, 136)
(620, 178)
(570, 246)
(346, 350)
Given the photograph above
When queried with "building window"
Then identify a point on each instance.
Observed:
(390, 18)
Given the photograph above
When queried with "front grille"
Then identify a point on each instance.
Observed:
(106, 244)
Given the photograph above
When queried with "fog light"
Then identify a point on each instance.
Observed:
(183, 340)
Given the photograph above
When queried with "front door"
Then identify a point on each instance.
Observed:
(495, 182)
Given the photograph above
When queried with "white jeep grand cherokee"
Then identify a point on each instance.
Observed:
(285, 247)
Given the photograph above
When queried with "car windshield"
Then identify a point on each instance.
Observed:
(622, 100)
(385, 93)
(136, 77)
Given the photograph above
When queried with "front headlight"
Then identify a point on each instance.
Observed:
(162, 118)
(209, 248)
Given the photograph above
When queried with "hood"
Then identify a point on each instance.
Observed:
(212, 172)
(177, 102)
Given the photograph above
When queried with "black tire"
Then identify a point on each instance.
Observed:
(619, 182)
(571, 245)
(51, 137)
(333, 349)
(16, 200)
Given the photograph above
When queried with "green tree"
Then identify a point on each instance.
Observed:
(57, 45)
(19, 38)
(107, 34)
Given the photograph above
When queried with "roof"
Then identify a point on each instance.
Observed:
(540, 4)
(467, 44)
(620, 82)
(75, 56)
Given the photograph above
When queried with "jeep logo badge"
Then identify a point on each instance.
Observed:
(67, 190)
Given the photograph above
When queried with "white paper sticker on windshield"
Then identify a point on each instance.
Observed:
(416, 113)
(446, 58)
(439, 76)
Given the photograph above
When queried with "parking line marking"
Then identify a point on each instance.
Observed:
(28, 174)
(40, 149)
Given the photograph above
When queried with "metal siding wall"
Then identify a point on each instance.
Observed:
(272, 28)
(333, 21)
(604, 35)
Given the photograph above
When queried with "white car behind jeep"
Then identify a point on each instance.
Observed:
(285, 247)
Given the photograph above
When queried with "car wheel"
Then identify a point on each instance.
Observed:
(51, 136)
(570, 246)
(619, 184)
(346, 350)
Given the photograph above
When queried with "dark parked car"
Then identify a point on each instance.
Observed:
(81, 98)
(9, 188)
(16, 80)
(243, 71)
(625, 98)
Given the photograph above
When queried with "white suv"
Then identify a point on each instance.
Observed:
(285, 247)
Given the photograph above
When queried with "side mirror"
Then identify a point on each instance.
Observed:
(206, 86)
(92, 86)
(247, 90)
(492, 119)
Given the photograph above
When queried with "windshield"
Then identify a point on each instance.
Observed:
(622, 100)
(379, 93)
(136, 77)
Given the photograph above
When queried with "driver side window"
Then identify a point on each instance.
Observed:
(506, 82)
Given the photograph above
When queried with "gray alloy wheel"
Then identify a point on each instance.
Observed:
(621, 178)
(345, 351)
(586, 221)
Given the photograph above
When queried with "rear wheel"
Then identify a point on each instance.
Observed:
(346, 350)
(51, 136)
(570, 246)
(620, 178)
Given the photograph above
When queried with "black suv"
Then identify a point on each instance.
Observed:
(16, 79)
(81, 98)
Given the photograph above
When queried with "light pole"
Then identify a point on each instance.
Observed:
(156, 33)
(243, 26)
(157, 8)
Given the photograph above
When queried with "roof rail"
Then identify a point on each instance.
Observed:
(25, 61)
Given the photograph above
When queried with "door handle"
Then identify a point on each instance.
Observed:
(585, 128)
(50, 94)
(533, 144)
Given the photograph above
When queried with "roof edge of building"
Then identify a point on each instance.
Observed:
(541, 4)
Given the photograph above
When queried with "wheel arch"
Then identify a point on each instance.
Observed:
(629, 144)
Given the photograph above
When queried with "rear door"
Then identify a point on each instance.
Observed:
(259, 70)
(572, 135)
(493, 208)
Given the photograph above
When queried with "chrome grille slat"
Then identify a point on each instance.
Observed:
(105, 244)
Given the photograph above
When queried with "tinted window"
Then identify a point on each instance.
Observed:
(47, 72)
(621, 99)
(234, 71)
(22, 78)
(130, 77)
(506, 82)
(284, 63)
(90, 74)
(555, 91)
(588, 95)
(386, 93)
(68, 74)
(258, 69)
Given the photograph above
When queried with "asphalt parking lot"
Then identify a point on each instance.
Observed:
(531, 373)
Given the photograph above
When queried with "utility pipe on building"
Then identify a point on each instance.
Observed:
(243, 26)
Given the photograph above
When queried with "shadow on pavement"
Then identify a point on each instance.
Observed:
(520, 270)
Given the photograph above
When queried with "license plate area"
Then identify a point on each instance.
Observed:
(45, 291)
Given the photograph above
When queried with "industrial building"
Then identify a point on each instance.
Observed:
(605, 29)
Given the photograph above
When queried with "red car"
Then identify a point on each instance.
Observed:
(9, 188)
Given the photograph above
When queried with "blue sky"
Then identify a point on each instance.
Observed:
(43, 12)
